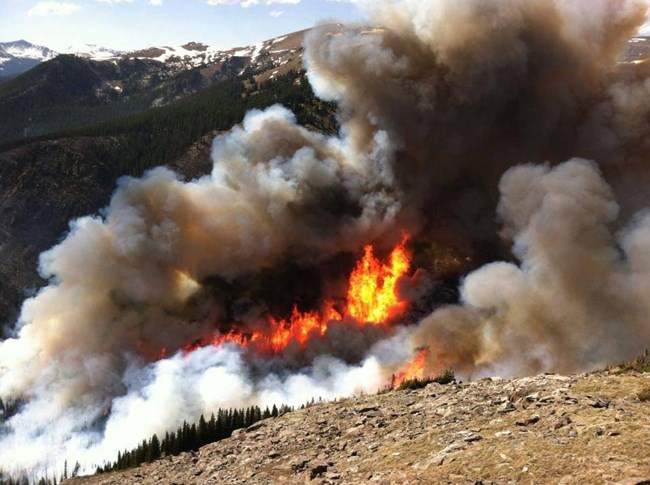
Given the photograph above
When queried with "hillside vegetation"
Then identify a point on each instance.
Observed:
(46, 181)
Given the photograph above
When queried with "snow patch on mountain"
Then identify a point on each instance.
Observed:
(93, 52)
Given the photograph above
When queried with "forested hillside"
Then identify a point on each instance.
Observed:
(46, 181)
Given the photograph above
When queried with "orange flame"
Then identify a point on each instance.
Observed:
(415, 370)
(298, 328)
(371, 299)
(371, 295)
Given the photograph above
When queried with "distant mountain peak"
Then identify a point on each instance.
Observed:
(18, 56)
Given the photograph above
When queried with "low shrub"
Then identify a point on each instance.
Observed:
(644, 395)
(446, 377)
(639, 364)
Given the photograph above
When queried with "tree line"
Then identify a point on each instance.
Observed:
(160, 135)
(192, 437)
(188, 437)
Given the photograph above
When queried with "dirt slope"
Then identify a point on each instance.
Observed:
(546, 429)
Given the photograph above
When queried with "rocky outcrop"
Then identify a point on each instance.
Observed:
(546, 429)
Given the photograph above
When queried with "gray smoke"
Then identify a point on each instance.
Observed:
(578, 298)
(438, 99)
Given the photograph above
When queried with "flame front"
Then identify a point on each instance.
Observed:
(371, 300)
(371, 295)
(415, 370)
(298, 328)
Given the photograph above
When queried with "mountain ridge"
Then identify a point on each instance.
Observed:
(182, 57)
(70, 91)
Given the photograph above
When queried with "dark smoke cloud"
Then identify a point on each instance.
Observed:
(438, 99)
(465, 90)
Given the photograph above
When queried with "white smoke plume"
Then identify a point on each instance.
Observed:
(438, 99)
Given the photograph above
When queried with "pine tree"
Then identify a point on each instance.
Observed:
(203, 434)
(153, 449)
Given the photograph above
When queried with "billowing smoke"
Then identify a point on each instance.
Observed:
(578, 298)
(438, 99)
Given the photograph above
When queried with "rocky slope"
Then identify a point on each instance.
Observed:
(547, 429)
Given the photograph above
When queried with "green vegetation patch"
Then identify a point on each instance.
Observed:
(446, 377)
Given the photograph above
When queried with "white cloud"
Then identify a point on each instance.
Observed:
(249, 3)
(243, 3)
(111, 2)
(276, 13)
(53, 8)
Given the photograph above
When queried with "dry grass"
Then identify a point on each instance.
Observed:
(639, 364)
(644, 395)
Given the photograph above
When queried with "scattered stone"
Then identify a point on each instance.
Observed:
(316, 469)
(532, 397)
(366, 409)
(561, 422)
(256, 426)
(298, 464)
(599, 403)
(470, 437)
(507, 407)
(528, 421)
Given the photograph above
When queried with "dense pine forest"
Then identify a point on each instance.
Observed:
(157, 136)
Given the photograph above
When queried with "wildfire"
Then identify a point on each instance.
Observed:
(371, 294)
(371, 299)
(298, 328)
(415, 370)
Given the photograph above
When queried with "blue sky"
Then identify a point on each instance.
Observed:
(133, 24)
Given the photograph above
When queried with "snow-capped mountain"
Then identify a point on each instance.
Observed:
(19, 56)
(93, 52)
(280, 52)
(276, 51)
